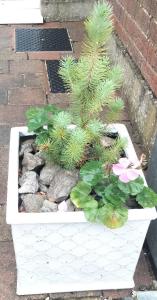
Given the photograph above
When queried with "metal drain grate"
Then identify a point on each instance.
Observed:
(56, 39)
(56, 83)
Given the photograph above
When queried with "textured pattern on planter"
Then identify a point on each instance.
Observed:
(50, 257)
(62, 252)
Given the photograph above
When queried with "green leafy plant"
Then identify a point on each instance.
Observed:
(103, 196)
(92, 83)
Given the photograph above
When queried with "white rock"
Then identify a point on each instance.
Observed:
(62, 184)
(26, 146)
(47, 173)
(49, 206)
(31, 162)
(29, 183)
(33, 202)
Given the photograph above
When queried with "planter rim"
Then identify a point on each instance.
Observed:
(14, 217)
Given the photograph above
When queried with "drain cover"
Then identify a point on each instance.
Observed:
(56, 39)
(56, 83)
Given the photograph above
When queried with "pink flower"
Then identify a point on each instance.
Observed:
(125, 172)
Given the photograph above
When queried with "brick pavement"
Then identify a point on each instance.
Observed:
(23, 83)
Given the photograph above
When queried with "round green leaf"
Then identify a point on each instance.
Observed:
(91, 214)
(92, 172)
(133, 187)
(113, 217)
(147, 198)
(80, 194)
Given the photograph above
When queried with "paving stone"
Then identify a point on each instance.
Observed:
(75, 30)
(11, 55)
(11, 81)
(4, 153)
(61, 100)
(3, 182)
(28, 66)
(5, 233)
(4, 175)
(3, 96)
(5, 37)
(8, 278)
(7, 256)
(4, 67)
(26, 96)
(34, 80)
(4, 135)
(77, 49)
(143, 276)
(5, 230)
(13, 114)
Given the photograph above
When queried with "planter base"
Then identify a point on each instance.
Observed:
(44, 287)
(64, 257)
(62, 252)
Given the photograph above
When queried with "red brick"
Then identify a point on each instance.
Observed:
(26, 96)
(123, 3)
(131, 6)
(153, 31)
(147, 5)
(118, 11)
(123, 35)
(152, 56)
(45, 55)
(143, 19)
(150, 75)
(154, 8)
(28, 66)
(137, 35)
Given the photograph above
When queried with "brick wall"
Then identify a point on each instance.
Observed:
(136, 25)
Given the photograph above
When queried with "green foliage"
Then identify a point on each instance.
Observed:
(91, 80)
(112, 155)
(81, 198)
(103, 197)
(92, 83)
(133, 187)
(38, 117)
(113, 217)
(74, 150)
(92, 172)
(147, 198)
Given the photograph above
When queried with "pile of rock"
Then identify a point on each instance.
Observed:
(43, 187)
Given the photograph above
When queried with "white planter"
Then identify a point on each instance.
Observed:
(62, 252)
